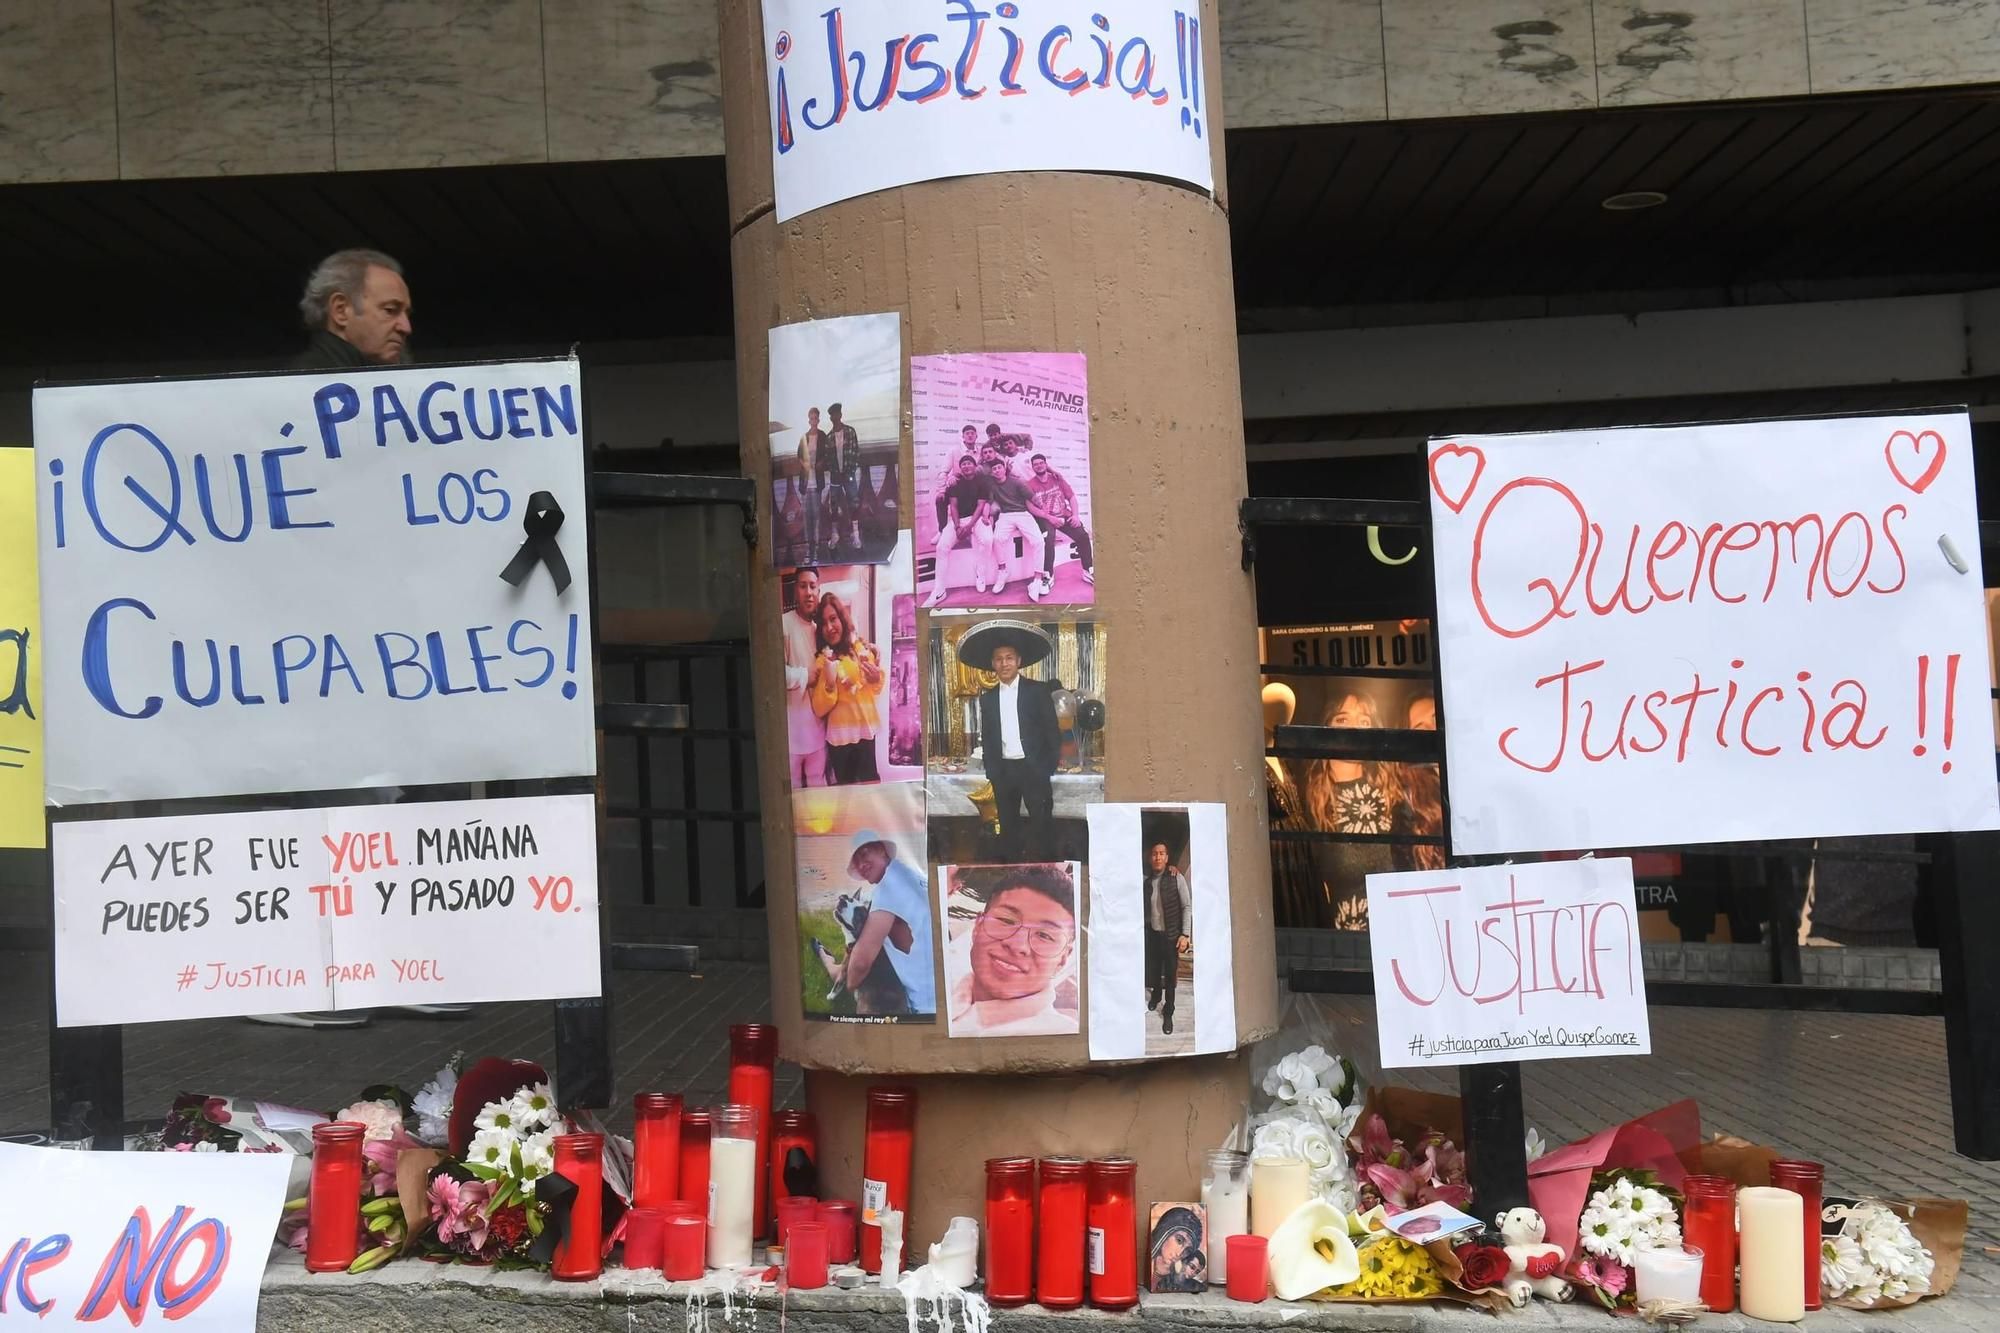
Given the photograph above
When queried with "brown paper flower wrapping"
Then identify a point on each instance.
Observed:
(1939, 1226)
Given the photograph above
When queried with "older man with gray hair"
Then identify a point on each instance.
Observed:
(356, 309)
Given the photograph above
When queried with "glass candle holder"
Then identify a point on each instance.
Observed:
(333, 1207)
(1668, 1274)
(1111, 1216)
(697, 1128)
(1807, 1180)
(1708, 1222)
(687, 1245)
(732, 1188)
(794, 1147)
(793, 1211)
(1062, 1243)
(753, 1061)
(885, 1168)
(1249, 1268)
(646, 1238)
(579, 1159)
(805, 1256)
(656, 1148)
(841, 1219)
(1225, 1198)
(1010, 1231)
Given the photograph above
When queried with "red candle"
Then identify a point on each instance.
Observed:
(333, 1210)
(1060, 1234)
(645, 1238)
(1805, 1179)
(1708, 1222)
(793, 1211)
(839, 1217)
(687, 1248)
(805, 1257)
(683, 1208)
(1010, 1230)
(753, 1059)
(1112, 1219)
(1249, 1267)
(695, 1133)
(580, 1253)
(791, 1130)
(885, 1169)
(656, 1148)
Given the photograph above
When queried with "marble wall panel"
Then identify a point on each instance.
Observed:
(437, 83)
(632, 78)
(1488, 57)
(58, 99)
(1699, 50)
(1287, 63)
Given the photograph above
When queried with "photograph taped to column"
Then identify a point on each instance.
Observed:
(276, 583)
(836, 438)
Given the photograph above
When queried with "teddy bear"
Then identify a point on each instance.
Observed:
(1535, 1264)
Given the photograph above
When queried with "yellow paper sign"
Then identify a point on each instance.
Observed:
(21, 818)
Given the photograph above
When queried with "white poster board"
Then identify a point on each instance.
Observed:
(207, 916)
(863, 98)
(136, 1240)
(1523, 962)
(1712, 633)
(1120, 1026)
(292, 582)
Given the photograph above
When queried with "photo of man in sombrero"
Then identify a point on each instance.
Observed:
(1019, 736)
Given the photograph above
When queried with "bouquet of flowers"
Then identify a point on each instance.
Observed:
(1628, 1211)
(1874, 1258)
(485, 1205)
(1397, 1178)
(1315, 1098)
(199, 1123)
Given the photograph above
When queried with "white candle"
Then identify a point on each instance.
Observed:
(1773, 1237)
(732, 1187)
(1225, 1198)
(1278, 1185)
(1668, 1274)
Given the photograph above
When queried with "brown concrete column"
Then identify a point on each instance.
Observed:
(1135, 274)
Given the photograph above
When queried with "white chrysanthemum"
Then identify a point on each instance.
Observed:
(1653, 1206)
(1842, 1266)
(492, 1148)
(538, 1155)
(1600, 1229)
(497, 1118)
(533, 1108)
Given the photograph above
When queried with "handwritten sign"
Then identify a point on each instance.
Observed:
(867, 97)
(22, 823)
(293, 583)
(139, 1240)
(206, 916)
(1712, 633)
(1522, 962)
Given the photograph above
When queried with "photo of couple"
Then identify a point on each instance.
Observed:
(835, 489)
(1003, 513)
(851, 714)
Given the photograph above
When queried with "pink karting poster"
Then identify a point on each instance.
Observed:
(1003, 514)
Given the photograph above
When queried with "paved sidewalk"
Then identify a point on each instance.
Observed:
(1866, 1094)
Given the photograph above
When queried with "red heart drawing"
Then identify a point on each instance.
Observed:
(1915, 447)
(1453, 495)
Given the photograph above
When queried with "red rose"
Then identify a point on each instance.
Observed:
(1483, 1266)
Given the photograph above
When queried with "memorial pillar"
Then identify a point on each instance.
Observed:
(1135, 274)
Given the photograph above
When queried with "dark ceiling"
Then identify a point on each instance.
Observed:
(1331, 221)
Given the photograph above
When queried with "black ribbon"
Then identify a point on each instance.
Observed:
(559, 1194)
(800, 1174)
(542, 522)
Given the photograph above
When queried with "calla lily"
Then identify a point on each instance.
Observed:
(1310, 1252)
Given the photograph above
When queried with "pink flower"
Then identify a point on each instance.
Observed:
(381, 1155)
(383, 1119)
(459, 1209)
(1606, 1279)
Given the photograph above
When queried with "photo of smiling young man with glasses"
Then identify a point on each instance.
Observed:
(1011, 965)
